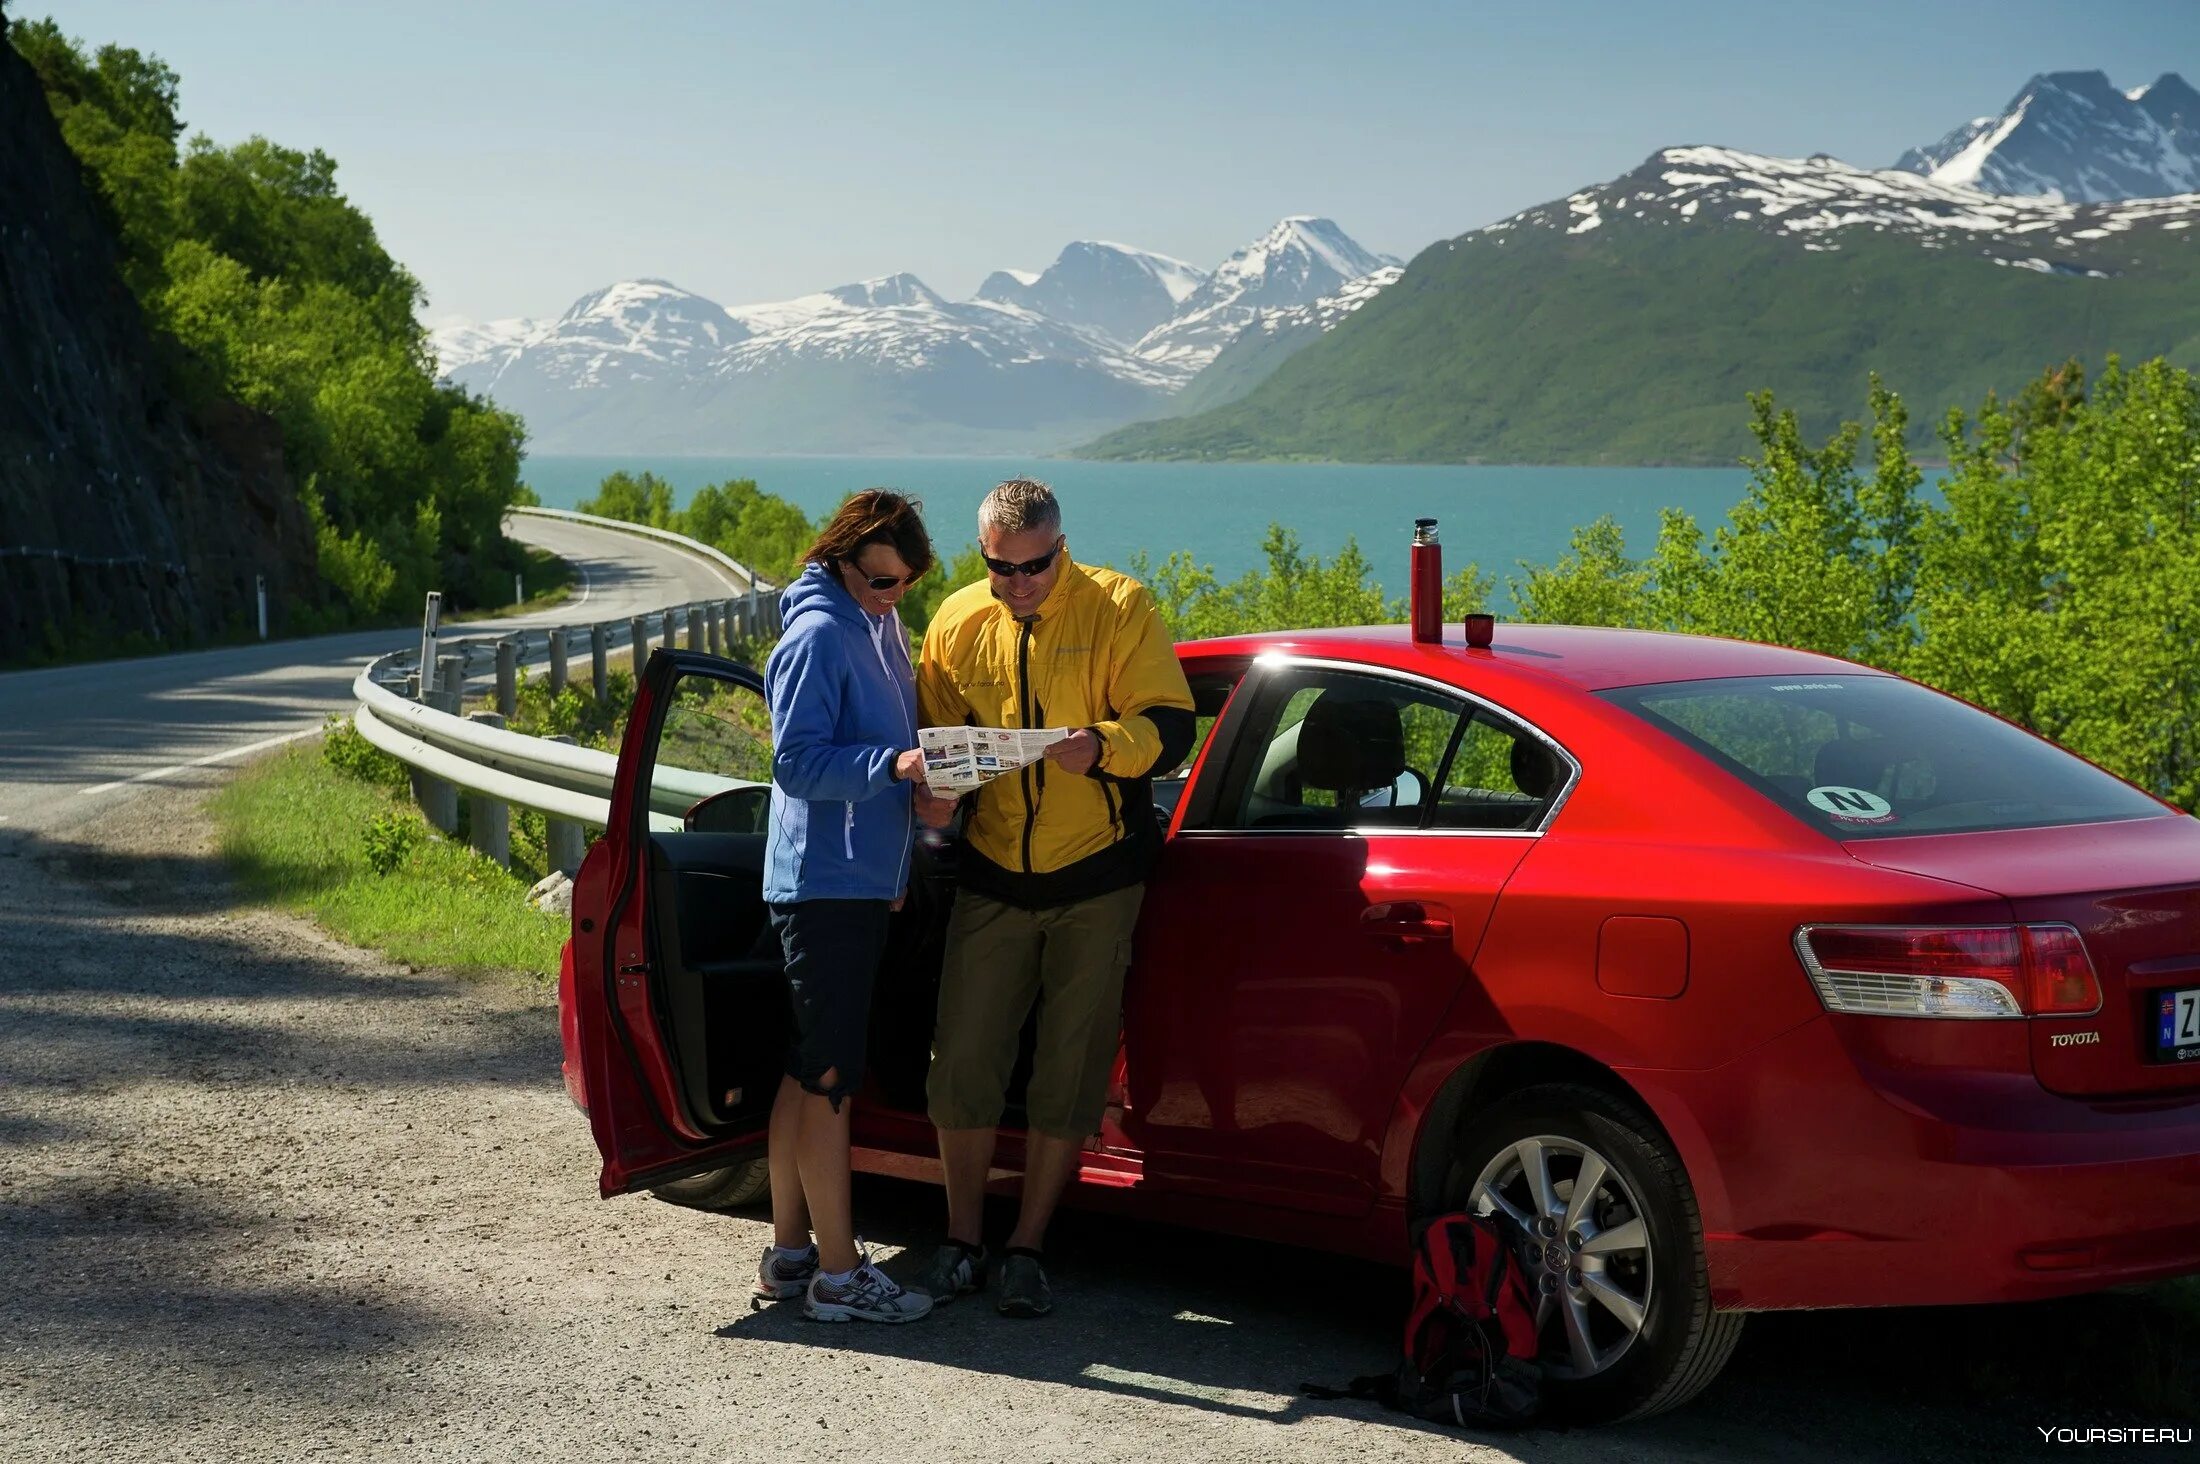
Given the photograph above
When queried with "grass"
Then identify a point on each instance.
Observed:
(305, 836)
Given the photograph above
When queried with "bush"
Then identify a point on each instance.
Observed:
(388, 838)
(355, 757)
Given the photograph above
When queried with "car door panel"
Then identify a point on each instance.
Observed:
(680, 1018)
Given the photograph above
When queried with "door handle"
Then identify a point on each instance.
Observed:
(1407, 921)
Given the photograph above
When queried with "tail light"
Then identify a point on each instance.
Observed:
(1984, 971)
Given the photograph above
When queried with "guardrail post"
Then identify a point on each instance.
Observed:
(438, 799)
(713, 642)
(565, 843)
(671, 629)
(695, 629)
(599, 655)
(557, 662)
(491, 818)
(641, 648)
(507, 677)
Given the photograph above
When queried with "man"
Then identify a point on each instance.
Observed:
(1053, 868)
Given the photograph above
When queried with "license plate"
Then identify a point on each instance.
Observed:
(2177, 1025)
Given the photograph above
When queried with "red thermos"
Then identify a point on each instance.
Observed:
(1428, 582)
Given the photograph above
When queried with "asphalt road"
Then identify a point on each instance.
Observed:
(74, 737)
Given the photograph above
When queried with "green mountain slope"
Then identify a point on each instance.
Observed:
(1626, 323)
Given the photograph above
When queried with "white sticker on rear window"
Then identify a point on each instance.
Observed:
(1851, 805)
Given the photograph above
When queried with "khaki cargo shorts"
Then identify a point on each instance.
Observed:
(999, 960)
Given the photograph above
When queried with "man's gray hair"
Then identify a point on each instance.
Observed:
(1020, 504)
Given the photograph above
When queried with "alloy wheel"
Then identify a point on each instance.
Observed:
(1584, 1246)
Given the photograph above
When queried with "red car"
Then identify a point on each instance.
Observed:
(1744, 978)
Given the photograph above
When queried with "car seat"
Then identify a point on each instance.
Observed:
(1351, 744)
(1535, 769)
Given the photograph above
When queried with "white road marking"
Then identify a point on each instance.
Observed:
(587, 589)
(200, 762)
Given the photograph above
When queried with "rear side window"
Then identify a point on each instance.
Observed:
(1873, 757)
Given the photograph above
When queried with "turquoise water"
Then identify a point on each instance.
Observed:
(1493, 516)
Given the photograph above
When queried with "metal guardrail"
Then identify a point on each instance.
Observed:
(569, 784)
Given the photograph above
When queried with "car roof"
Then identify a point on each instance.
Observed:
(1587, 657)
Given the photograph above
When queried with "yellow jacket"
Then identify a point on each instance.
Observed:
(1097, 655)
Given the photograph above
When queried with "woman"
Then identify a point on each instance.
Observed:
(845, 774)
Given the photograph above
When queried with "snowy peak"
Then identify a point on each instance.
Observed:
(894, 289)
(1111, 288)
(458, 342)
(1297, 262)
(1824, 202)
(2072, 136)
(1301, 261)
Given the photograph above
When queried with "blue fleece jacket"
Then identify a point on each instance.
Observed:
(844, 706)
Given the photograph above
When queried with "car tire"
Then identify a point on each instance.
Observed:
(736, 1187)
(1676, 1344)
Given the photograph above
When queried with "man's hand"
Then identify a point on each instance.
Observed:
(934, 810)
(1077, 752)
(909, 766)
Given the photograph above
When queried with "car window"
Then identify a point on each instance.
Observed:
(716, 737)
(1329, 749)
(1866, 757)
(1501, 777)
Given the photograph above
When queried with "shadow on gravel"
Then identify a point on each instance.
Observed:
(110, 1276)
(1233, 1327)
(89, 1005)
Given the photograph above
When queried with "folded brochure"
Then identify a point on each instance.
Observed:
(958, 759)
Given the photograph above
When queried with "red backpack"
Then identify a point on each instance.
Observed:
(1470, 1342)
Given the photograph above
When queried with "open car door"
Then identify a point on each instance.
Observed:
(678, 982)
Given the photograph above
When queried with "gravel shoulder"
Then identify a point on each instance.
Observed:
(263, 1196)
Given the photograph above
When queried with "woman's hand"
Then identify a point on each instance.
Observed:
(909, 766)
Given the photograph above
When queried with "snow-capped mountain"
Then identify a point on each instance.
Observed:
(1112, 288)
(890, 365)
(1297, 262)
(2070, 135)
(458, 342)
(1823, 202)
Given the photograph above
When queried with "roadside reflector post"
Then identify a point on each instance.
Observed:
(507, 677)
(599, 657)
(490, 819)
(519, 589)
(564, 842)
(640, 648)
(430, 619)
(260, 588)
(557, 662)
(438, 799)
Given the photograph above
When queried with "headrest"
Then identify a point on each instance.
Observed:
(1535, 769)
(1851, 762)
(1351, 741)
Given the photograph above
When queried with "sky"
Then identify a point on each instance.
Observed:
(515, 154)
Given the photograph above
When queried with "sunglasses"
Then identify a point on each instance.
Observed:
(881, 583)
(1029, 568)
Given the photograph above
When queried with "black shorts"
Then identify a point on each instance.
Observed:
(833, 949)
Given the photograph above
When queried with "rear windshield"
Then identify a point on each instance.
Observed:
(1872, 757)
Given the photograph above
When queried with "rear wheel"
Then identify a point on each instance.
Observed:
(1614, 1248)
(735, 1187)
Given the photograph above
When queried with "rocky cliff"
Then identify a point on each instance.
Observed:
(132, 516)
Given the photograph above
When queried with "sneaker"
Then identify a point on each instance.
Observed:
(1024, 1290)
(781, 1277)
(868, 1295)
(956, 1270)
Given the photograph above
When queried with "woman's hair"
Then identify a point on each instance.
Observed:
(874, 516)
